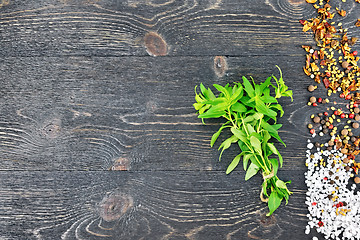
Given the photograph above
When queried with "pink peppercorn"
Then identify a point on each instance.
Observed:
(348, 97)
(320, 223)
(319, 99)
(351, 115)
(342, 115)
(326, 113)
(314, 104)
(312, 131)
(342, 95)
(314, 203)
(355, 53)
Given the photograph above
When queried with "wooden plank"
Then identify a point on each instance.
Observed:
(129, 113)
(144, 205)
(177, 28)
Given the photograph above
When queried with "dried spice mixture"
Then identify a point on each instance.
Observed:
(332, 197)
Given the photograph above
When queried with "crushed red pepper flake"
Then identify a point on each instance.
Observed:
(342, 13)
(358, 21)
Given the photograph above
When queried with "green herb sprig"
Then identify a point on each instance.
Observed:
(251, 113)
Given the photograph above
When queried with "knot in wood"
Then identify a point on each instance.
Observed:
(220, 66)
(114, 206)
(155, 44)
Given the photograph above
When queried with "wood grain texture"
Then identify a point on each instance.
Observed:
(81, 93)
(128, 113)
(186, 27)
(193, 205)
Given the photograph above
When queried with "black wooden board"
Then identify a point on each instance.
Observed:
(90, 113)
(143, 205)
(184, 27)
(89, 87)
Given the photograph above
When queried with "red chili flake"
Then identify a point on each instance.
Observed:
(328, 74)
(319, 100)
(326, 114)
(325, 178)
(336, 140)
(348, 97)
(312, 131)
(331, 127)
(341, 204)
(342, 95)
(355, 53)
(358, 23)
(303, 22)
(326, 82)
(342, 115)
(314, 104)
(320, 223)
(337, 205)
(314, 204)
(351, 115)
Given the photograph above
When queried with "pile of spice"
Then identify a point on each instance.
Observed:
(332, 198)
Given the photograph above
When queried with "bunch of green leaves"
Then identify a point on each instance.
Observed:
(251, 114)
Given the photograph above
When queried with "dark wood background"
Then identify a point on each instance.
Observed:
(98, 136)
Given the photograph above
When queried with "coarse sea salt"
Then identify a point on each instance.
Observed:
(334, 210)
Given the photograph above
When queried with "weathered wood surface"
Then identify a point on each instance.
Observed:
(185, 27)
(143, 205)
(81, 93)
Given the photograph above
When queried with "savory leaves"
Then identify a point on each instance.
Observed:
(251, 113)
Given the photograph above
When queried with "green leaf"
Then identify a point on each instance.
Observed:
(257, 90)
(254, 160)
(246, 160)
(233, 164)
(222, 89)
(275, 164)
(216, 101)
(265, 84)
(249, 118)
(214, 111)
(279, 108)
(288, 93)
(262, 108)
(275, 151)
(250, 128)
(252, 170)
(211, 114)
(206, 92)
(238, 107)
(274, 202)
(268, 99)
(197, 106)
(226, 144)
(248, 87)
(198, 98)
(258, 116)
(237, 94)
(239, 134)
(266, 135)
(256, 144)
(272, 130)
(216, 135)
(280, 184)
(204, 108)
